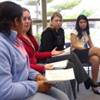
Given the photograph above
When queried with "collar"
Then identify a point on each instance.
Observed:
(13, 35)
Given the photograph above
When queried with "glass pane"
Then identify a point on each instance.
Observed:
(94, 31)
(70, 9)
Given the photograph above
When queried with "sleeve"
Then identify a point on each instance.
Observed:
(39, 68)
(46, 41)
(10, 89)
(60, 39)
(32, 74)
(43, 55)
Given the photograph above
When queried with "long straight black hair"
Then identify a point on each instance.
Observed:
(79, 30)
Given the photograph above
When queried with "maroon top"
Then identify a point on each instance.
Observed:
(32, 50)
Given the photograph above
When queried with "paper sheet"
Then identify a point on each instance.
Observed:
(66, 51)
(59, 75)
(60, 64)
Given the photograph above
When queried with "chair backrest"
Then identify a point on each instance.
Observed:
(68, 44)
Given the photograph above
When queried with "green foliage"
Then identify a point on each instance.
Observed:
(68, 5)
(87, 12)
(50, 11)
(74, 16)
(38, 37)
(31, 2)
(48, 1)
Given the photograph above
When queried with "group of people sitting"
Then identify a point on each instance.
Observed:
(23, 62)
(81, 45)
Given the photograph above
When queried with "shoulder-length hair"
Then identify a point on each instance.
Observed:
(9, 11)
(55, 14)
(79, 30)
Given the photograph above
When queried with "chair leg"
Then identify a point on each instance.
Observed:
(88, 70)
(73, 84)
(78, 87)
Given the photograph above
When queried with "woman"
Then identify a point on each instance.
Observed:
(80, 74)
(53, 36)
(50, 40)
(82, 45)
(32, 48)
(17, 80)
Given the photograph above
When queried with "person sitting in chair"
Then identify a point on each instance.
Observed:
(80, 38)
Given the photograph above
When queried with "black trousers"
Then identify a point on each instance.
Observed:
(74, 62)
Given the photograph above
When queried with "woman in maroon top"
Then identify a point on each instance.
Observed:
(32, 46)
(35, 55)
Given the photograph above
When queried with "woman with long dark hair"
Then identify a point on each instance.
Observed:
(82, 45)
(35, 56)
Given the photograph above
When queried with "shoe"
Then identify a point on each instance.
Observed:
(87, 84)
(94, 84)
(96, 91)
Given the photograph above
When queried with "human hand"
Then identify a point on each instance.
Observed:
(40, 77)
(55, 52)
(48, 66)
(43, 86)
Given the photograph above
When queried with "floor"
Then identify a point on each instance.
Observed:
(84, 94)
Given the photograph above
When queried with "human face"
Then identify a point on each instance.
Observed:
(26, 21)
(56, 22)
(83, 24)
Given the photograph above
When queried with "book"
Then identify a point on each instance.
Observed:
(60, 64)
(53, 76)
